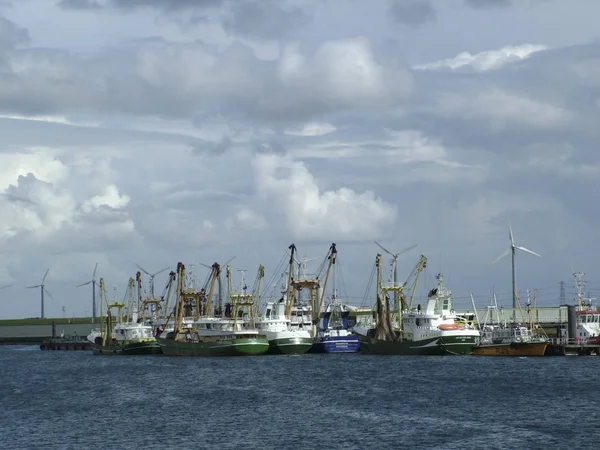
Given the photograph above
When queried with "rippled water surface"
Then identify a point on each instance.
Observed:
(77, 400)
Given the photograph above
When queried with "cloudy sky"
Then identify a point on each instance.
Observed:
(155, 131)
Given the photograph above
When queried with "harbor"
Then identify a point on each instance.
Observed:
(305, 314)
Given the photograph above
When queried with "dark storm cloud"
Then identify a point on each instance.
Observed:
(11, 35)
(264, 19)
(483, 4)
(80, 4)
(411, 12)
(162, 5)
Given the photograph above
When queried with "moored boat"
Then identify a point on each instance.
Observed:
(436, 330)
(125, 337)
(282, 337)
(333, 334)
(515, 340)
(203, 334)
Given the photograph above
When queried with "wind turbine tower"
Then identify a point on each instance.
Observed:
(43, 289)
(512, 250)
(93, 282)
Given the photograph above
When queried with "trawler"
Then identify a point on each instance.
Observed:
(199, 331)
(333, 333)
(587, 325)
(501, 339)
(435, 330)
(129, 335)
(282, 336)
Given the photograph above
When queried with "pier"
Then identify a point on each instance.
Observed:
(571, 347)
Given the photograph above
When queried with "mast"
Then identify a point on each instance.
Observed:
(289, 300)
(130, 298)
(331, 257)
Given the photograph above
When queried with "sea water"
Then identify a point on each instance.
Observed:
(64, 400)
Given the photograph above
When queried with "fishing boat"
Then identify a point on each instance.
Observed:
(198, 331)
(435, 330)
(124, 336)
(516, 340)
(333, 333)
(283, 337)
(499, 338)
(587, 317)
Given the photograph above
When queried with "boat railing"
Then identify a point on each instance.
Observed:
(567, 341)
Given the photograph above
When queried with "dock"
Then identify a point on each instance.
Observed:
(571, 347)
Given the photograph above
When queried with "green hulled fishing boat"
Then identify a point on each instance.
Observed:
(198, 330)
(128, 336)
(436, 330)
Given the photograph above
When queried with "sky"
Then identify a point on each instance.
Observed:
(149, 132)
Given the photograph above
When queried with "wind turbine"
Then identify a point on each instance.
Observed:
(302, 275)
(394, 259)
(93, 281)
(511, 251)
(43, 289)
(152, 275)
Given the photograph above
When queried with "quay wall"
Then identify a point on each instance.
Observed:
(36, 334)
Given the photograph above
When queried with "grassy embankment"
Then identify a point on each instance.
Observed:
(48, 321)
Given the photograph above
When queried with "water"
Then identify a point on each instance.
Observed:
(74, 400)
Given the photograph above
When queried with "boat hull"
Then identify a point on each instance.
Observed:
(215, 347)
(514, 349)
(336, 344)
(446, 345)
(290, 346)
(132, 348)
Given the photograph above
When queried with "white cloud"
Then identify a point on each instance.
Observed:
(110, 198)
(343, 73)
(312, 214)
(486, 60)
(312, 129)
(503, 108)
(245, 219)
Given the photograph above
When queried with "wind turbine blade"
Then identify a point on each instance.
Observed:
(406, 249)
(528, 251)
(6, 286)
(506, 253)
(510, 234)
(31, 287)
(383, 248)
(206, 265)
(45, 275)
(230, 259)
(94, 274)
(144, 270)
(49, 294)
(84, 284)
(160, 271)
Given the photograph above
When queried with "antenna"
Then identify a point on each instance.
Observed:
(511, 251)
(579, 286)
(243, 286)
